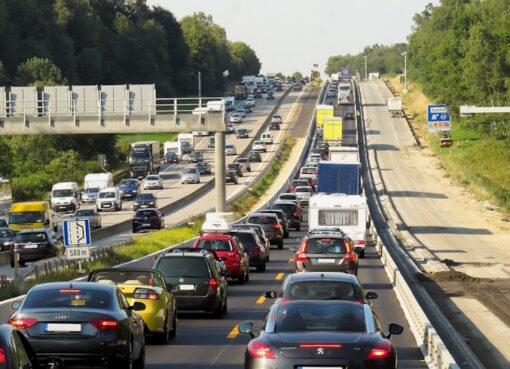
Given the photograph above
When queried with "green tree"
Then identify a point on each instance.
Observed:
(39, 72)
(298, 76)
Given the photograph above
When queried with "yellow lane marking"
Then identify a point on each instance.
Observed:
(233, 333)
(291, 260)
(261, 300)
(279, 276)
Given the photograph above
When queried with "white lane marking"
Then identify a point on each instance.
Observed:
(387, 117)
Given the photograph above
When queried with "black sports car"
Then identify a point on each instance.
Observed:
(313, 334)
(81, 323)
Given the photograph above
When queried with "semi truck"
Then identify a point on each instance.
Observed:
(186, 141)
(347, 212)
(335, 177)
(332, 131)
(144, 158)
(343, 154)
(240, 91)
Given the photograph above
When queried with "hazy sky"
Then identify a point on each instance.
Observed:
(291, 35)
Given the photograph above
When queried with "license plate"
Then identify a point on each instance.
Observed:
(58, 327)
(146, 224)
(143, 206)
(325, 261)
(30, 246)
(106, 206)
(187, 287)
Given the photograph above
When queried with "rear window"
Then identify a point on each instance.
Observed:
(322, 290)
(288, 197)
(287, 208)
(31, 237)
(183, 266)
(215, 245)
(123, 276)
(68, 298)
(146, 213)
(152, 178)
(325, 246)
(309, 171)
(247, 240)
(303, 189)
(262, 219)
(338, 217)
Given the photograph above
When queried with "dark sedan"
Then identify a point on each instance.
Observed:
(242, 133)
(236, 167)
(171, 157)
(144, 201)
(33, 245)
(81, 323)
(203, 167)
(320, 334)
(148, 219)
(195, 157)
(254, 157)
(255, 248)
(291, 211)
(6, 237)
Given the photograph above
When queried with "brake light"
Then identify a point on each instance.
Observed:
(292, 189)
(301, 257)
(320, 345)
(359, 242)
(145, 294)
(275, 226)
(2, 356)
(213, 284)
(347, 247)
(22, 323)
(154, 217)
(296, 214)
(104, 324)
(304, 246)
(69, 290)
(380, 351)
(139, 218)
(260, 350)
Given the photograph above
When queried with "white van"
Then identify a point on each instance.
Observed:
(348, 212)
(266, 138)
(109, 199)
(65, 196)
(173, 146)
(93, 183)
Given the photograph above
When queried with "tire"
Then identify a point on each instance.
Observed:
(12, 263)
(218, 313)
(224, 311)
(242, 279)
(164, 337)
(21, 263)
(362, 254)
(139, 362)
(298, 228)
(173, 332)
(286, 234)
(280, 245)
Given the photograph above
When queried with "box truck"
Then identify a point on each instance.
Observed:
(323, 111)
(343, 154)
(332, 131)
(339, 178)
(93, 183)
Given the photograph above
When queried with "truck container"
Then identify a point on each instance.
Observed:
(144, 158)
(230, 103)
(344, 92)
(98, 180)
(343, 154)
(173, 146)
(332, 132)
(348, 212)
(394, 106)
(271, 78)
(323, 111)
(240, 91)
(186, 137)
(339, 178)
(335, 77)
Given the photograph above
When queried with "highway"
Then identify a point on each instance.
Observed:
(203, 342)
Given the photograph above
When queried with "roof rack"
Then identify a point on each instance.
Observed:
(193, 250)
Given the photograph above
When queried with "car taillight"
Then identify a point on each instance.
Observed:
(2, 356)
(380, 351)
(301, 257)
(213, 284)
(320, 345)
(359, 242)
(139, 218)
(292, 189)
(104, 324)
(154, 218)
(275, 226)
(22, 323)
(16, 246)
(260, 350)
(145, 294)
(296, 214)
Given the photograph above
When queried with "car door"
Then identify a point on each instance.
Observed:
(168, 297)
(243, 256)
(135, 323)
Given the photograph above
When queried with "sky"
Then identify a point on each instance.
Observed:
(292, 35)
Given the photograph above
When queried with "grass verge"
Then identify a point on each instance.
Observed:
(479, 163)
(156, 241)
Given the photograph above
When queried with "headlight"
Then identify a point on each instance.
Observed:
(136, 203)
(151, 203)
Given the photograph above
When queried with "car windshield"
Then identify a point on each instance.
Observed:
(302, 189)
(183, 266)
(128, 183)
(295, 317)
(26, 217)
(31, 237)
(92, 190)
(242, 160)
(288, 197)
(107, 195)
(215, 245)
(322, 290)
(189, 171)
(68, 298)
(260, 143)
(63, 193)
(152, 178)
(262, 219)
(6, 233)
(144, 196)
(123, 277)
(84, 213)
(229, 146)
(146, 213)
(325, 246)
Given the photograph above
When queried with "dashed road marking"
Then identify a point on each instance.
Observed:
(261, 300)
(279, 276)
(233, 333)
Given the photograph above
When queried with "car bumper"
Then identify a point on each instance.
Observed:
(141, 226)
(128, 195)
(207, 303)
(288, 363)
(63, 207)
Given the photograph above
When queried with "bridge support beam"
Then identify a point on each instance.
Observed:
(219, 153)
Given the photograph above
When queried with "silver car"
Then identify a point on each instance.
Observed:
(230, 150)
(90, 194)
(236, 118)
(152, 181)
(304, 193)
(190, 175)
(90, 214)
(259, 146)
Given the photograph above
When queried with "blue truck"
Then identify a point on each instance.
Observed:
(339, 178)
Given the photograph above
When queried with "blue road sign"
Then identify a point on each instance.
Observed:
(76, 232)
(438, 118)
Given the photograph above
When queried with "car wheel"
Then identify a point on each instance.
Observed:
(12, 263)
(218, 313)
(280, 244)
(362, 254)
(165, 336)
(225, 307)
(139, 363)
(21, 263)
(173, 332)
(286, 234)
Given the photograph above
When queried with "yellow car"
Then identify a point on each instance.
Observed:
(148, 287)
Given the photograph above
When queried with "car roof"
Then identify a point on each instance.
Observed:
(284, 202)
(72, 285)
(325, 276)
(261, 215)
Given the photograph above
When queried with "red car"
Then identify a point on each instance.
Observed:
(229, 249)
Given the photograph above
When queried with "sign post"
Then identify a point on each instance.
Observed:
(77, 239)
(438, 117)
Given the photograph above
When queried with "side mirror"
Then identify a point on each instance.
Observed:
(371, 295)
(137, 306)
(394, 328)
(16, 305)
(271, 294)
(246, 328)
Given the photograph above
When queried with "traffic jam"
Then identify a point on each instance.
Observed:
(320, 317)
